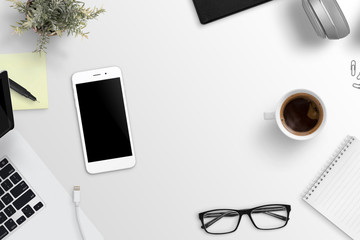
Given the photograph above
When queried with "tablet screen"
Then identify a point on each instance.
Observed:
(6, 113)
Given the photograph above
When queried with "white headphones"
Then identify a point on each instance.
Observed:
(327, 18)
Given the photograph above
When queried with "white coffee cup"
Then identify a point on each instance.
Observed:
(277, 115)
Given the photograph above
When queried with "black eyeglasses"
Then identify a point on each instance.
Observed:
(267, 217)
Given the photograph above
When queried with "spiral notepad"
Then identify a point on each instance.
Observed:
(335, 193)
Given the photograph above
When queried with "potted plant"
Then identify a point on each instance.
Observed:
(53, 17)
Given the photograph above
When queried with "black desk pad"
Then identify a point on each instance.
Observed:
(211, 10)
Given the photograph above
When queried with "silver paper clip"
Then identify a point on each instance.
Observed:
(356, 85)
(353, 68)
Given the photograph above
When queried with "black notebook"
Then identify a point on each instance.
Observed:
(211, 10)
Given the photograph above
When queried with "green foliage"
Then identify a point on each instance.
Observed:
(54, 17)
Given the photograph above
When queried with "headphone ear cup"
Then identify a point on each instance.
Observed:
(315, 22)
(337, 17)
(327, 18)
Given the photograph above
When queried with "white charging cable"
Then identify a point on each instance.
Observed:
(77, 204)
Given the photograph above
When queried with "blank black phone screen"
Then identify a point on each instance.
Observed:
(103, 118)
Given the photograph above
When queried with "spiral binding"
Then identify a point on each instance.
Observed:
(335, 157)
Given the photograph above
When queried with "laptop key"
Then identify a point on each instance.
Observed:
(7, 199)
(1, 191)
(3, 232)
(6, 171)
(2, 217)
(10, 224)
(28, 211)
(15, 178)
(24, 199)
(7, 185)
(19, 189)
(38, 206)
(1, 205)
(20, 220)
(10, 210)
(3, 162)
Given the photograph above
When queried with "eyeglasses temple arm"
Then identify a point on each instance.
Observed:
(272, 209)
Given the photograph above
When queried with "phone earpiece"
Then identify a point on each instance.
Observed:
(327, 18)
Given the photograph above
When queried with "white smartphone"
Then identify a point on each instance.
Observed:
(103, 120)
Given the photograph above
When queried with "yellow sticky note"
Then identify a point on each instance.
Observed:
(28, 70)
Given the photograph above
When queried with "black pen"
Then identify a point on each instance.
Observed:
(18, 88)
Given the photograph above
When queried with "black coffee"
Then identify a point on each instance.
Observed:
(301, 114)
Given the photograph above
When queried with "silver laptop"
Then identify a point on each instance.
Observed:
(33, 205)
(19, 202)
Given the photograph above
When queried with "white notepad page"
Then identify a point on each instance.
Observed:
(336, 192)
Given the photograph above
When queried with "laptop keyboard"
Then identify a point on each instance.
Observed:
(18, 201)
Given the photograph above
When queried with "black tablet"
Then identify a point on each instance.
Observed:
(211, 10)
(6, 112)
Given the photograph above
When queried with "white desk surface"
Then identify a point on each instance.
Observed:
(196, 97)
